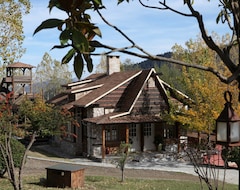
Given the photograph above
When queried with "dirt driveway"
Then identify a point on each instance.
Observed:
(36, 166)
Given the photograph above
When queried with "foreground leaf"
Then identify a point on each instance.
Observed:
(79, 41)
(89, 62)
(78, 65)
(50, 23)
(68, 56)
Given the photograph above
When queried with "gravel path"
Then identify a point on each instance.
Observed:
(37, 166)
(146, 167)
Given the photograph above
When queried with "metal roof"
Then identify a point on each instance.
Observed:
(66, 167)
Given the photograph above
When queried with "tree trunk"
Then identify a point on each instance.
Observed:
(24, 160)
(8, 159)
(6, 151)
(122, 175)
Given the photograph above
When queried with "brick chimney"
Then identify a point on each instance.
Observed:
(113, 64)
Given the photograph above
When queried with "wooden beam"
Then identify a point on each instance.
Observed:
(103, 142)
(127, 134)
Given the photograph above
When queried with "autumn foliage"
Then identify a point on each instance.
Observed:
(203, 88)
(32, 118)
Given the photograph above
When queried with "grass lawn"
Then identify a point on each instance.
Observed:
(107, 183)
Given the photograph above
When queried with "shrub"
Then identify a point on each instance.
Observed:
(18, 150)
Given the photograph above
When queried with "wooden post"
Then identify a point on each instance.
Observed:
(103, 142)
(31, 81)
(178, 136)
(142, 137)
(127, 134)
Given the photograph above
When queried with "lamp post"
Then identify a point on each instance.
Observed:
(228, 126)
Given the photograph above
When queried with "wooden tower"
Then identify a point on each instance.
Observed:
(18, 80)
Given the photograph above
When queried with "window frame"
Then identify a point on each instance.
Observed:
(147, 131)
(133, 130)
(111, 133)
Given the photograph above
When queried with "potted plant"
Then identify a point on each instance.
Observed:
(159, 143)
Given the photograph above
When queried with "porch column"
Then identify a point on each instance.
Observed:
(178, 136)
(103, 142)
(127, 134)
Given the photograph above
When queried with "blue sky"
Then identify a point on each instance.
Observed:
(156, 31)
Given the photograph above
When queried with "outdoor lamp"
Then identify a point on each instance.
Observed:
(228, 123)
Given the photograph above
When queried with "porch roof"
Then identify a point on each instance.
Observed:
(114, 118)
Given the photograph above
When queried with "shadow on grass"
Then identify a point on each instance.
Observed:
(41, 183)
(48, 151)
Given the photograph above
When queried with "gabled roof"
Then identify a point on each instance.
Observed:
(105, 86)
(131, 99)
(127, 93)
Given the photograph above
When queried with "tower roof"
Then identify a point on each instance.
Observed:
(20, 65)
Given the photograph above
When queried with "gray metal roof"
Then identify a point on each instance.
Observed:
(66, 167)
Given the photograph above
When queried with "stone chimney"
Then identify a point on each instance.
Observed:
(113, 64)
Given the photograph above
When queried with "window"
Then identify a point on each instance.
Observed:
(111, 133)
(168, 132)
(147, 129)
(133, 130)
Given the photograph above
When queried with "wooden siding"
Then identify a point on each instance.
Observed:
(150, 102)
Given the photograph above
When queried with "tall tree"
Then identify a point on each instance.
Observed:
(172, 74)
(11, 30)
(50, 75)
(202, 87)
(129, 65)
(78, 32)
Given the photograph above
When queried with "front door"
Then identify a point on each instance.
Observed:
(134, 137)
(148, 133)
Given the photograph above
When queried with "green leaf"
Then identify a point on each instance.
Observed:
(50, 23)
(78, 65)
(79, 41)
(96, 43)
(53, 3)
(56, 3)
(88, 59)
(120, 1)
(68, 56)
(98, 2)
(65, 36)
(59, 46)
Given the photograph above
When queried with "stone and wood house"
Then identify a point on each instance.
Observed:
(117, 107)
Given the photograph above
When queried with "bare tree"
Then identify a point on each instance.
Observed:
(205, 159)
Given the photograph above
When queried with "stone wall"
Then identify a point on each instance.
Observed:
(96, 141)
(69, 148)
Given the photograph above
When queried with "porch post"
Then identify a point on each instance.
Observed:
(178, 137)
(103, 142)
(127, 134)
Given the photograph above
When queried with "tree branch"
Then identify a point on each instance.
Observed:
(161, 58)
(25, 158)
(208, 39)
(146, 55)
(165, 7)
